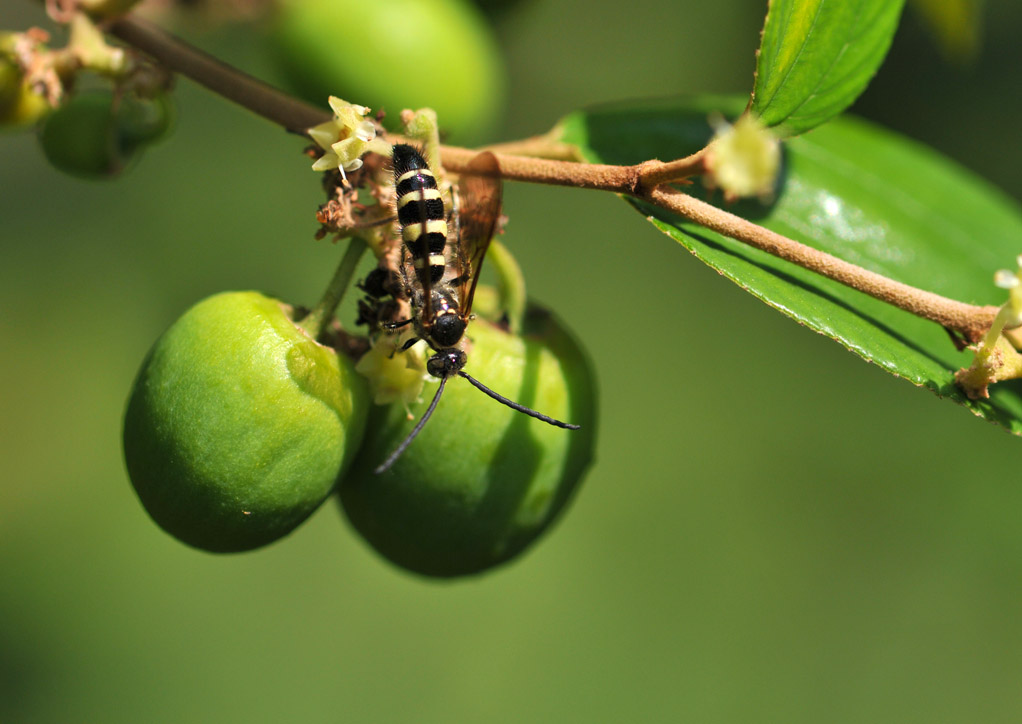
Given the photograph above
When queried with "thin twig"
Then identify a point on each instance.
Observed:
(634, 180)
(275, 105)
(969, 319)
(546, 145)
(621, 179)
(319, 318)
(655, 174)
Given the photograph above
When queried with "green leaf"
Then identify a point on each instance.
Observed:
(816, 57)
(862, 194)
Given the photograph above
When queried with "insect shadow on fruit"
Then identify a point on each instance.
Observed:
(440, 276)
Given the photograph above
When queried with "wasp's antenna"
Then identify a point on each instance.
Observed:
(385, 465)
(514, 405)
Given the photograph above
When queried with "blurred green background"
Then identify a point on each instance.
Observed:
(774, 531)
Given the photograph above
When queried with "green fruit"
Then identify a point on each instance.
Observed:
(91, 138)
(239, 424)
(143, 121)
(10, 84)
(481, 481)
(394, 54)
(79, 137)
(19, 104)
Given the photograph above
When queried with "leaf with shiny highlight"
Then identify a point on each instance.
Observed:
(863, 194)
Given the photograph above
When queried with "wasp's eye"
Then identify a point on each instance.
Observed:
(447, 330)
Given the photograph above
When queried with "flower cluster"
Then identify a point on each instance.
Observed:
(1011, 311)
(996, 358)
(393, 377)
(345, 138)
(745, 158)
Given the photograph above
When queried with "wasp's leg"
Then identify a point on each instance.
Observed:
(391, 326)
(396, 325)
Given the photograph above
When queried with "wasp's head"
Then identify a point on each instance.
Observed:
(446, 363)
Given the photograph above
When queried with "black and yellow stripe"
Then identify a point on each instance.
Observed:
(421, 213)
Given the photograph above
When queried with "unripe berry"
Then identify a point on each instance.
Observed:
(481, 481)
(239, 424)
(20, 105)
(91, 137)
(395, 54)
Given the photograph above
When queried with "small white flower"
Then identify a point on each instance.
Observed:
(393, 376)
(344, 139)
(1011, 311)
(1006, 279)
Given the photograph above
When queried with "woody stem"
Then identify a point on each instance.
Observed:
(647, 180)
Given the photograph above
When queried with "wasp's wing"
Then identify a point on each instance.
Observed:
(480, 198)
(415, 285)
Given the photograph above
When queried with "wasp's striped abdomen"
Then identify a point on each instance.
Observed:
(421, 213)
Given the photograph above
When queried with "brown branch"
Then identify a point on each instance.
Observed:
(657, 173)
(646, 180)
(546, 145)
(275, 105)
(969, 319)
(634, 180)
(622, 179)
(297, 116)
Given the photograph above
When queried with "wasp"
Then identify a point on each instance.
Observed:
(441, 268)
